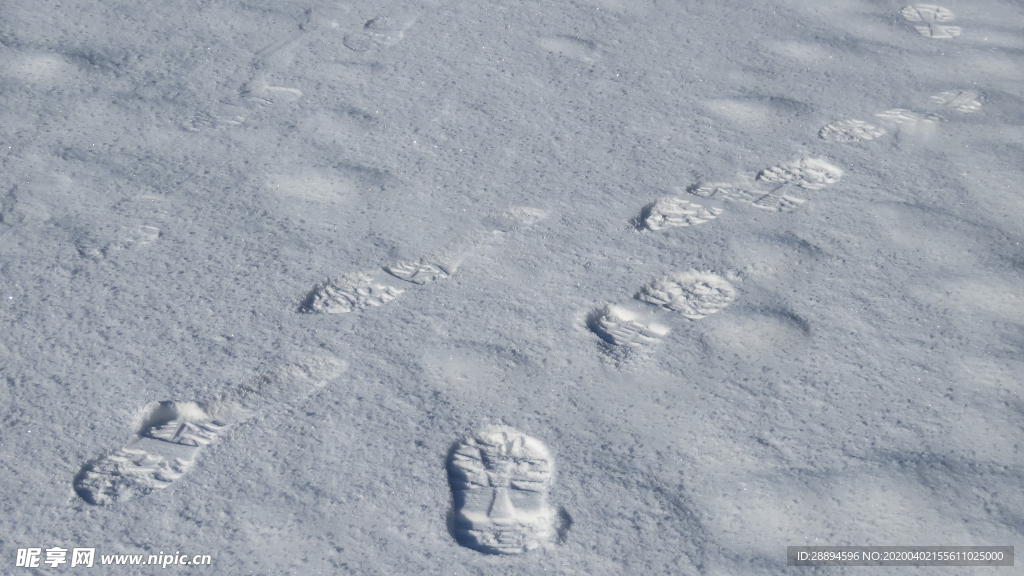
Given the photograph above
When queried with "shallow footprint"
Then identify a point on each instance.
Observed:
(851, 131)
(693, 294)
(932, 20)
(175, 434)
(500, 479)
(362, 290)
(348, 293)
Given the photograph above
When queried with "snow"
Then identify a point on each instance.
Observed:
(179, 179)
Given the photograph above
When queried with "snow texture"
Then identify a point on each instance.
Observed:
(178, 179)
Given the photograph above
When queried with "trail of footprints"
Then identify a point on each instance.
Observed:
(695, 295)
(773, 191)
(362, 290)
(851, 130)
(500, 478)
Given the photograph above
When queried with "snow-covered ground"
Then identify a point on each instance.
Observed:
(741, 277)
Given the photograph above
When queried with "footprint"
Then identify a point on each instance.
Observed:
(165, 452)
(959, 100)
(382, 31)
(851, 131)
(359, 291)
(809, 173)
(932, 20)
(693, 294)
(348, 293)
(671, 211)
(174, 434)
(620, 326)
(500, 480)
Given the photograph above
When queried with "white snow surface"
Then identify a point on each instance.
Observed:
(177, 177)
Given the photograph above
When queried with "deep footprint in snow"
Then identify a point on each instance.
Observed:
(693, 294)
(382, 31)
(500, 479)
(671, 211)
(363, 290)
(931, 21)
(851, 131)
(175, 434)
